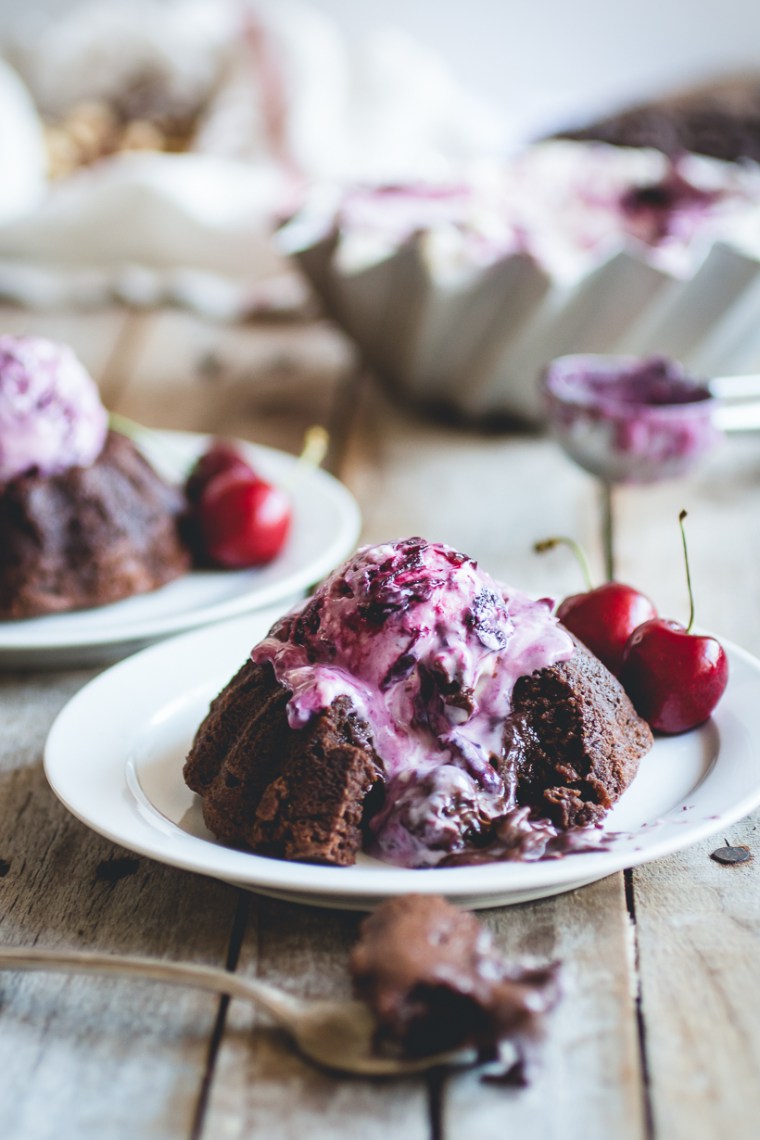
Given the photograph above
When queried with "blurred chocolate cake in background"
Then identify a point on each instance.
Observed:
(721, 120)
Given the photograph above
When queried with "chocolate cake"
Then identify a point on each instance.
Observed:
(89, 535)
(84, 518)
(574, 740)
(415, 709)
(296, 795)
(434, 980)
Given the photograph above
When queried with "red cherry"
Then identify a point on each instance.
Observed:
(243, 520)
(219, 457)
(674, 678)
(604, 618)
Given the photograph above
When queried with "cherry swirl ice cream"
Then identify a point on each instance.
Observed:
(428, 648)
(51, 416)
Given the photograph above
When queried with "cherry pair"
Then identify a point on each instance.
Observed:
(674, 678)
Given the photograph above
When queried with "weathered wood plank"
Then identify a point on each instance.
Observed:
(723, 503)
(120, 1058)
(261, 1087)
(83, 1056)
(266, 382)
(698, 926)
(589, 1082)
(491, 496)
(698, 923)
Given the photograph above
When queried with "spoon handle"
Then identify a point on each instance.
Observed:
(280, 1005)
(738, 416)
(735, 387)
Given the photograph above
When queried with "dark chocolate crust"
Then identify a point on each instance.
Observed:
(574, 740)
(88, 536)
(293, 794)
(434, 980)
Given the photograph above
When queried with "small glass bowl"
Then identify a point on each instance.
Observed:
(629, 419)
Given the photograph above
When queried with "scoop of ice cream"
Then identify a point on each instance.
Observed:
(428, 648)
(51, 416)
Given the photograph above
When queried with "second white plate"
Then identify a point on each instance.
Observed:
(326, 525)
(114, 757)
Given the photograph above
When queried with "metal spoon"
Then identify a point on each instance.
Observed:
(335, 1034)
(628, 419)
(738, 402)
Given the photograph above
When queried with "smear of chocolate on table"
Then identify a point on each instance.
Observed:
(730, 856)
(111, 870)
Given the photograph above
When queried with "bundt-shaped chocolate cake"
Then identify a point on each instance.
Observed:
(415, 709)
(84, 518)
(296, 795)
(89, 535)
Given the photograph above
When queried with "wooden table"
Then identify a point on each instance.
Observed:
(658, 1033)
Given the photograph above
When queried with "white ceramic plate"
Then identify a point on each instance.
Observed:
(114, 757)
(326, 524)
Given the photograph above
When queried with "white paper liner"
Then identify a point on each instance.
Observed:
(479, 345)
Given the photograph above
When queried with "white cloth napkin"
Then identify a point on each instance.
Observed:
(281, 103)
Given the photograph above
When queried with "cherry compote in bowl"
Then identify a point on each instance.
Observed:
(629, 419)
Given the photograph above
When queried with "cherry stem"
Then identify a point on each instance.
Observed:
(681, 517)
(608, 531)
(315, 444)
(580, 554)
(125, 426)
(142, 435)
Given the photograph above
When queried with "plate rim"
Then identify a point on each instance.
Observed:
(133, 633)
(485, 881)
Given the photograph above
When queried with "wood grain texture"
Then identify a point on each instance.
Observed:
(115, 1058)
(588, 1084)
(697, 922)
(265, 382)
(698, 928)
(88, 1057)
(261, 1087)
